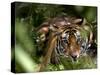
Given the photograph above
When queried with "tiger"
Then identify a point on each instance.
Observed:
(64, 36)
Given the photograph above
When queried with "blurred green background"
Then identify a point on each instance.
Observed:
(29, 16)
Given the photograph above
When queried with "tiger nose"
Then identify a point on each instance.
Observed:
(74, 56)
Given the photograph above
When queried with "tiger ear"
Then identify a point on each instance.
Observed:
(43, 28)
(80, 21)
(84, 21)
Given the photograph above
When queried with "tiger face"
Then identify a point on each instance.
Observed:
(69, 38)
(71, 43)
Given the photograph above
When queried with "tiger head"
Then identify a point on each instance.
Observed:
(72, 31)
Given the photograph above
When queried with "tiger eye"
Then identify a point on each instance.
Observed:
(74, 31)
